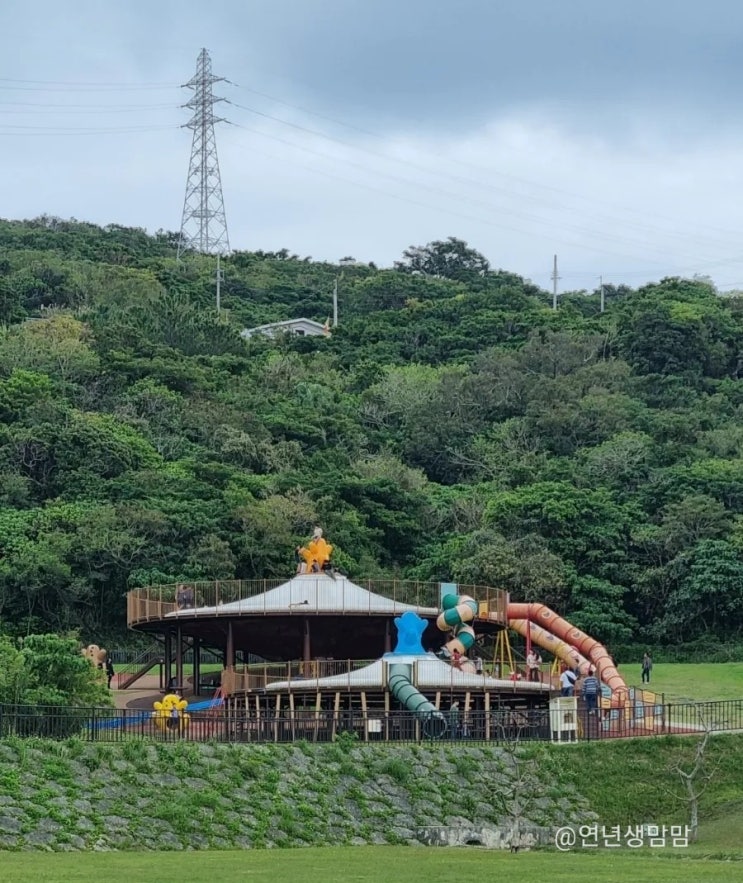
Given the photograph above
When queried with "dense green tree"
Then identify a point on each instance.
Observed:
(56, 673)
(449, 259)
(453, 426)
(678, 328)
(708, 599)
(58, 346)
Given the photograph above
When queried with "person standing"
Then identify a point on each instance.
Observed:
(567, 682)
(647, 667)
(478, 665)
(184, 596)
(454, 720)
(109, 671)
(590, 691)
(532, 666)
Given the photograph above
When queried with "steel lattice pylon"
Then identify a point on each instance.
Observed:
(203, 226)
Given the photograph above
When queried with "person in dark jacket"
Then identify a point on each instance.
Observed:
(647, 667)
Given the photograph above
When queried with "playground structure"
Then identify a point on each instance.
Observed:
(436, 698)
(319, 643)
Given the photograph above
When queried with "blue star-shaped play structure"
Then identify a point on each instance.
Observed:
(410, 628)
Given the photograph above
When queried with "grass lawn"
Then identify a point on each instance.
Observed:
(372, 864)
(692, 681)
(723, 833)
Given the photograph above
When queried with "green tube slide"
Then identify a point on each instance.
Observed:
(402, 688)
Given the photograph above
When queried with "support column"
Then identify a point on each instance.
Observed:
(230, 652)
(196, 665)
(168, 658)
(388, 637)
(306, 643)
(179, 656)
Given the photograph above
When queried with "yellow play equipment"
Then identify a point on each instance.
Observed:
(170, 715)
(503, 665)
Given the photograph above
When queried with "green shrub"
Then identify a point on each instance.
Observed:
(396, 768)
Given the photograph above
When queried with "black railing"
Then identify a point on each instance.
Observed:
(138, 657)
(206, 722)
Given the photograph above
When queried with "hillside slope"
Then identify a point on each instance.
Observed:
(75, 795)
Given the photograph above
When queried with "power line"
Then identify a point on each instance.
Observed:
(77, 130)
(56, 85)
(79, 86)
(578, 228)
(643, 225)
(89, 83)
(20, 107)
(60, 87)
(459, 197)
(87, 86)
(662, 269)
(489, 222)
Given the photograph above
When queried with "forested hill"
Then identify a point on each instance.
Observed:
(453, 427)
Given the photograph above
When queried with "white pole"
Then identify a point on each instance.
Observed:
(555, 277)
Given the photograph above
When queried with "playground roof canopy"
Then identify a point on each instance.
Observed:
(314, 593)
(430, 672)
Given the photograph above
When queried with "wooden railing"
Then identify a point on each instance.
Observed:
(221, 598)
(257, 676)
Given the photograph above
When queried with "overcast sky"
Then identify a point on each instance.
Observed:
(608, 134)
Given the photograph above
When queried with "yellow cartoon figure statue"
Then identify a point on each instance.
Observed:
(170, 714)
(316, 554)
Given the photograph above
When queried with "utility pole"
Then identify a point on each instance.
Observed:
(555, 279)
(203, 225)
(601, 287)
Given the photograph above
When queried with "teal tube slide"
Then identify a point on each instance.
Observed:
(402, 688)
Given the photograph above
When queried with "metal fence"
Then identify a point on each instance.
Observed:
(205, 721)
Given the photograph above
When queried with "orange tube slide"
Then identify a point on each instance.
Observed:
(553, 633)
(547, 641)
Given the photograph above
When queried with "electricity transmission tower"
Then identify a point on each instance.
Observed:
(203, 226)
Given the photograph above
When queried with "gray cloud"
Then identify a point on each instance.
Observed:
(463, 63)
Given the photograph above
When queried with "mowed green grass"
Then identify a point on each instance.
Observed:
(722, 834)
(361, 864)
(693, 682)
